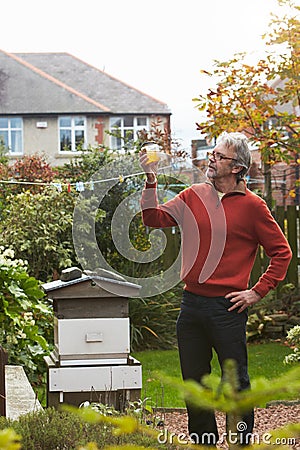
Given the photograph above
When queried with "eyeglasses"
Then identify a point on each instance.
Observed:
(218, 156)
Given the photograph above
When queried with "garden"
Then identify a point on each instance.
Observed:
(37, 205)
(36, 225)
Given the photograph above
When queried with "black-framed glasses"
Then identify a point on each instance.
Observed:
(218, 156)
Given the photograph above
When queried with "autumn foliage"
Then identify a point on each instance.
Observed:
(263, 99)
(33, 168)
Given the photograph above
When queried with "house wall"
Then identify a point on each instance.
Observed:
(284, 187)
(45, 140)
(284, 178)
(40, 135)
(40, 140)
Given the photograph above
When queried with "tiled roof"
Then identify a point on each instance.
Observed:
(45, 83)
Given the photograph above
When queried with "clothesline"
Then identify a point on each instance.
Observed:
(80, 185)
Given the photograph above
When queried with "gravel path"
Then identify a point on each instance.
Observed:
(266, 419)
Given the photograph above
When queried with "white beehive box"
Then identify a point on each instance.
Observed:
(108, 378)
(86, 341)
(92, 341)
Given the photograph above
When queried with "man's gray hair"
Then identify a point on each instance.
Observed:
(239, 143)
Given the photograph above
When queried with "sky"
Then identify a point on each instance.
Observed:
(156, 46)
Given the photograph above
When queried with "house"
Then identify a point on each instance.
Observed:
(56, 104)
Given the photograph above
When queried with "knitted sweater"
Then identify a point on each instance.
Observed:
(220, 238)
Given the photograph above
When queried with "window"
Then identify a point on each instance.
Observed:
(11, 134)
(72, 133)
(125, 129)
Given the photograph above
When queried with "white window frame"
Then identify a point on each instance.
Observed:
(73, 129)
(9, 131)
(123, 129)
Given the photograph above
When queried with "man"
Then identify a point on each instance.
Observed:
(222, 223)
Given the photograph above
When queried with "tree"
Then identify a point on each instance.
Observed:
(261, 100)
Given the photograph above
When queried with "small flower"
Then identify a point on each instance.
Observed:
(11, 339)
(21, 335)
(9, 253)
(28, 315)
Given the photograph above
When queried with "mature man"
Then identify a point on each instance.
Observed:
(222, 224)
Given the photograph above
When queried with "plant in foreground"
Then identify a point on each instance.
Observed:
(211, 395)
(9, 440)
(293, 338)
(96, 427)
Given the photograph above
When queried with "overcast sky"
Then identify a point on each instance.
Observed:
(157, 46)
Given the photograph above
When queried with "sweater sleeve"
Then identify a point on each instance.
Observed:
(276, 247)
(159, 216)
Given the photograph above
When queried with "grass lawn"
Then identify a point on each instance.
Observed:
(265, 360)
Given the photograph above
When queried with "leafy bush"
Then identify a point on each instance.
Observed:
(32, 168)
(82, 167)
(26, 320)
(38, 227)
(293, 337)
(51, 429)
(153, 320)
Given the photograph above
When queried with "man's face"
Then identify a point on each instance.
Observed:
(221, 163)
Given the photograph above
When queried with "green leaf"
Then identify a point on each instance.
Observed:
(16, 291)
(9, 440)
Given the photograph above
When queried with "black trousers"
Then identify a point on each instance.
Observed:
(204, 323)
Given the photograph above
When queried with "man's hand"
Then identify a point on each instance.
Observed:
(243, 299)
(150, 169)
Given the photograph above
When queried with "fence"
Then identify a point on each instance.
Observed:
(288, 220)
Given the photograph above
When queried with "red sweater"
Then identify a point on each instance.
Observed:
(220, 238)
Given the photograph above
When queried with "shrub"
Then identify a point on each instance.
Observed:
(82, 167)
(25, 318)
(51, 429)
(32, 168)
(153, 320)
(293, 337)
(38, 227)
